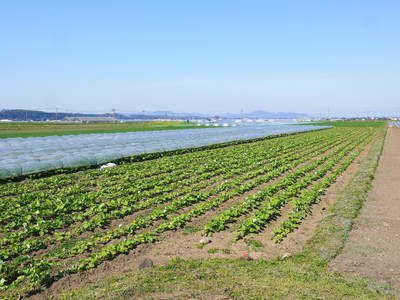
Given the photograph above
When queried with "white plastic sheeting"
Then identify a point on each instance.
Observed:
(21, 156)
(394, 124)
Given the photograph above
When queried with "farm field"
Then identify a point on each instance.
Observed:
(53, 230)
(26, 129)
(351, 123)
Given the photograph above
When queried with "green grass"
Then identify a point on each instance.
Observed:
(233, 279)
(190, 229)
(355, 123)
(254, 243)
(305, 275)
(12, 130)
(213, 250)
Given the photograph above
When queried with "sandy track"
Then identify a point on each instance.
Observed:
(372, 249)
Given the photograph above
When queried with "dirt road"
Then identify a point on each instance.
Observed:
(373, 247)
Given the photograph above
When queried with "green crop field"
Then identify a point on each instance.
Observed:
(56, 226)
(11, 130)
(351, 123)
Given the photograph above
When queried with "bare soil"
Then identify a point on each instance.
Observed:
(372, 249)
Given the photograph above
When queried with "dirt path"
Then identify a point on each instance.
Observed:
(374, 243)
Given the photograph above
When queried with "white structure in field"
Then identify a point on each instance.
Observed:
(109, 165)
(29, 155)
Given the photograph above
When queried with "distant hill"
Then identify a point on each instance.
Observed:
(35, 115)
(170, 114)
(259, 114)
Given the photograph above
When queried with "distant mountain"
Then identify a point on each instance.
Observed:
(260, 114)
(35, 115)
(170, 114)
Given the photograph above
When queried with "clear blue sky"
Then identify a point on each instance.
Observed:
(203, 56)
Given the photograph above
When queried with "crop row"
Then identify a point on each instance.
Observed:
(34, 200)
(302, 205)
(76, 202)
(135, 170)
(296, 161)
(103, 216)
(271, 208)
(172, 223)
(37, 222)
(289, 185)
(173, 207)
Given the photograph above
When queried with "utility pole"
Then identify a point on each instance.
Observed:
(56, 113)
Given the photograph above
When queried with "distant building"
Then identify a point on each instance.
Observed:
(90, 119)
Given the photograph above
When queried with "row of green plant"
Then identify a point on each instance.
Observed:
(59, 209)
(244, 168)
(303, 204)
(39, 208)
(172, 223)
(158, 214)
(124, 175)
(288, 184)
(271, 209)
(162, 212)
(104, 213)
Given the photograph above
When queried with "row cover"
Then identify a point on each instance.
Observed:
(394, 124)
(21, 156)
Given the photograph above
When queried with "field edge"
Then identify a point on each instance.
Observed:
(332, 232)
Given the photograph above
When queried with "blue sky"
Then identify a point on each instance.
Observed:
(201, 56)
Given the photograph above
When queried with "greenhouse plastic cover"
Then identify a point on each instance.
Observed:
(21, 156)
